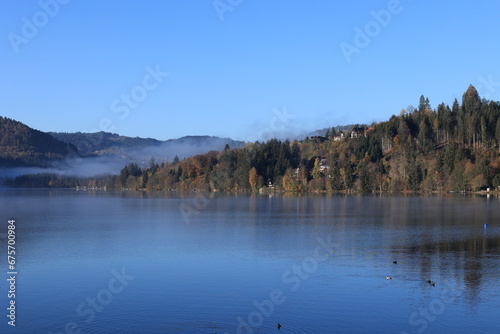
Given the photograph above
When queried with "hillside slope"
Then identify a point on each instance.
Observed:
(22, 146)
(141, 150)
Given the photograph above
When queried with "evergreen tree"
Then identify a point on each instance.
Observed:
(414, 174)
(144, 179)
(335, 177)
(471, 101)
(423, 104)
(497, 130)
(455, 109)
(295, 155)
(404, 134)
(153, 166)
(316, 172)
(365, 179)
(484, 130)
(425, 134)
(496, 181)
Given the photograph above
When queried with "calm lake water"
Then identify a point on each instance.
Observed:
(112, 262)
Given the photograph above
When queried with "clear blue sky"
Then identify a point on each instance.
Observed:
(227, 76)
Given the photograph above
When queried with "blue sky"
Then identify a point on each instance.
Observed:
(237, 70)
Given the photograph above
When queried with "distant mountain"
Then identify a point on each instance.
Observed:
(22, 146)
(103, 143)
(141, 150)
(24, 150)
(188, 146)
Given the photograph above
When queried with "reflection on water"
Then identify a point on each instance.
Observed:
(202, 261)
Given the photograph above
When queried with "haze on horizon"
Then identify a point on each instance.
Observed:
(241, 69)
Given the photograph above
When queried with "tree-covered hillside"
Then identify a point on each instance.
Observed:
(140, 150)
(422, 149)
(21, 145)
(447, 148)
(102, 143)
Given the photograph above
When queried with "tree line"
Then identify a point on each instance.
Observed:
(422, 149)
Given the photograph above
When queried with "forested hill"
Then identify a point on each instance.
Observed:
(446, 148)
(101, 143)
(141, 150)
(21, 145)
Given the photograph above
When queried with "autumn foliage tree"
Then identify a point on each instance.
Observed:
(253, 178)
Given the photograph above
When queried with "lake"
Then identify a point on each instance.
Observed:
(136, 262)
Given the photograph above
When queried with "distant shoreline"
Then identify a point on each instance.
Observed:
(265, 191)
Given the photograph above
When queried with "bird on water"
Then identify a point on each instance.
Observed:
(278, 326)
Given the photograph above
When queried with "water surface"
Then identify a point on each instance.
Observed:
(241, 264)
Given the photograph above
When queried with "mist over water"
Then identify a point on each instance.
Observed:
(88, 163)
(80, 167)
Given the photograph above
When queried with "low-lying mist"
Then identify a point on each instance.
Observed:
(78, 167)
(115, 159)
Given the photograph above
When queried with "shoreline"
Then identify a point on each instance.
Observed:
(272, 191)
